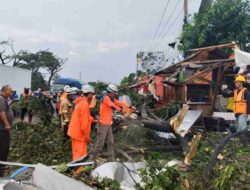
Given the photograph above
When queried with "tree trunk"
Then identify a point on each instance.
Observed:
(157, 125)
(50, 79)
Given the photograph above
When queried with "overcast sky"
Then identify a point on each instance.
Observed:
(99, 38)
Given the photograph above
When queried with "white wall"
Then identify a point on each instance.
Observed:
(16, 77)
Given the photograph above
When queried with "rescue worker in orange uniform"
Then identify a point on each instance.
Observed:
(79, 97)
(80, 125)
(104, 130)
(241, 98)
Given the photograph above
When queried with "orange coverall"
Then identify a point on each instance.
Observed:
(104, 131)
(78, 99)
(106, 110)
(79, 129)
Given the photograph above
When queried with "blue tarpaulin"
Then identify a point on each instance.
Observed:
(69, 81)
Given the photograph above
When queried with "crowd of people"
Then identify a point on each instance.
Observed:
(73, 107)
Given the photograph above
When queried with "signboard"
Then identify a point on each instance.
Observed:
(151, 62)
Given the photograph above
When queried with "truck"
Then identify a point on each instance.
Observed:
(16, 77)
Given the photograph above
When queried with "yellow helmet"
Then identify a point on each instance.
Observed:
(240, 78)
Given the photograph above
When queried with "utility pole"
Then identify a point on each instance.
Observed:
(185, 12)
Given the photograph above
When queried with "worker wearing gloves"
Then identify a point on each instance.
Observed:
(104, 130)
(67, 107)
(80, 125)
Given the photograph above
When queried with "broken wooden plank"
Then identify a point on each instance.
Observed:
(175, 66)
(231, 45)
(174, 84)
(208, 69)
(173, 75)
(206, 80)
(211, 61)
(219, 79)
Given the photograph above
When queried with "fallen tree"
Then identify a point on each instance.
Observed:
(137, 139)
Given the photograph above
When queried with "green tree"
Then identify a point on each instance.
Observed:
(36, 62)
(51, 63)
(125, 84)
(38, 81)
(32, 62)
(42, 60)
(131, 79)
(223, 22)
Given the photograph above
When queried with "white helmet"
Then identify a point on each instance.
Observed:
(69, 90)
(75, 89)
(112, 88)
(65, 88)
(88, 89)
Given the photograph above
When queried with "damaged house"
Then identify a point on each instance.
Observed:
(196, 80)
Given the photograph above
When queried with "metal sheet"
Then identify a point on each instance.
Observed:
(190, 118)
(16, 77)
(228, 116)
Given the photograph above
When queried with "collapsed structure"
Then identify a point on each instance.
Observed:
(196, 80)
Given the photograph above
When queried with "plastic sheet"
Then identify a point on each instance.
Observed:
(126, 174)
(46, 178)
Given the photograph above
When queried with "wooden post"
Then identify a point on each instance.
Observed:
(216, 89)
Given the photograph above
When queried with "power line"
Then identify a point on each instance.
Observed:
(169, 28)
(158, 27)
(166, 23)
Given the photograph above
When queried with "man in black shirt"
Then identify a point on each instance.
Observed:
(6, 120)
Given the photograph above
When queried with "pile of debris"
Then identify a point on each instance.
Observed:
(152, 153)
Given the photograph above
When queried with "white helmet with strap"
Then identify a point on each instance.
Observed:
(112, 88)
(88, 89)
(65, 88)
